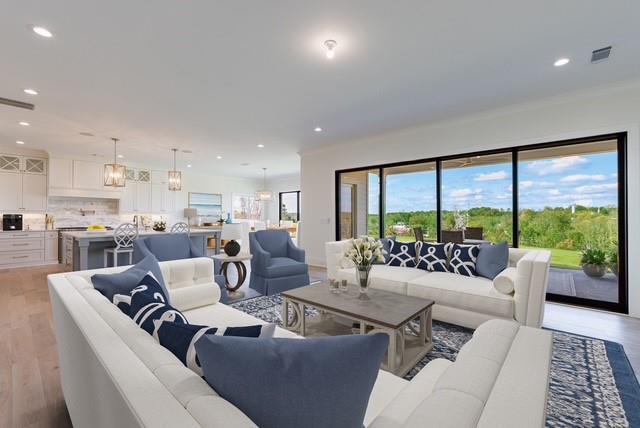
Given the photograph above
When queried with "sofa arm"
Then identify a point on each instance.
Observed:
(195, 296)
(531, 287)
(294, 252)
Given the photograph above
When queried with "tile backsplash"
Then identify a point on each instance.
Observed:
(81, 212)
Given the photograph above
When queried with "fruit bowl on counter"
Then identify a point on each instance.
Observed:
(96, 228)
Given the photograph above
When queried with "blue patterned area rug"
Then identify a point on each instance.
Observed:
(592, 383)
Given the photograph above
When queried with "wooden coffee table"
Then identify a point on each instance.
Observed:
(385, 312)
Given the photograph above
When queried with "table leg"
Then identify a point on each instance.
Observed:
(391, 352)
(303, 325)
(423, 328)
(285, 313)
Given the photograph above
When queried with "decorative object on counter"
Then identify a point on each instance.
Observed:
(363, 252)
(180, 227)
(228, 220)
(97, 228)
(123, 236)
(264, 195)
(49, 222)
(231, 232)
(175, 177)
(114, 173)
(220, 221)
(159, 226)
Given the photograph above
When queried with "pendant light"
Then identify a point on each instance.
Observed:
(264, 194)
(175, 177)
(114, 173)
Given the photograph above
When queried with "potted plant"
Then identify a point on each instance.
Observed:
(363, 252)
(594, 262)
(612, 258)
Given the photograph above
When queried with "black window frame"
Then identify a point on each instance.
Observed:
(297, 192)
(622, 306)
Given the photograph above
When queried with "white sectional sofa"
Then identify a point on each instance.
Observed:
(461, 300)
(114, 374)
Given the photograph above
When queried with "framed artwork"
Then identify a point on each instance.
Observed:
(245, 207)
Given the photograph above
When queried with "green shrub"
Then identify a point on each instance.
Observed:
(612, 257)
(593, 256)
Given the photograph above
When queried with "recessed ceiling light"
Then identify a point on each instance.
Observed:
(20, 142)
(41, 31)
(30, 91)
(560, 62)
(189, 166)
(120, 156)
(261, 146)
(218, 157)
(24, 123)
(318, 129)
(330, 46)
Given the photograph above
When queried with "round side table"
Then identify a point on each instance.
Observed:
(238, 262)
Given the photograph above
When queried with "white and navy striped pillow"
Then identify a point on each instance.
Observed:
(147, 304)
(180, 338)
(402, 254)
(463, 259)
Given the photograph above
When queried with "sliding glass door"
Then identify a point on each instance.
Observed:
(477, 197)
(568, 204)
(567, 197)
(410, 202)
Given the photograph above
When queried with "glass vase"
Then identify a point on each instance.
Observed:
(363, 281)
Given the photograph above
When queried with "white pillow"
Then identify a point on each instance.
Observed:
(505, 281)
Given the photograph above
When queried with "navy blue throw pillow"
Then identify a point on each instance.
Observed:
(181, 338)
(401, 254)
(432, 257)
(463, 259)
(293, 383)
(123, 282)
(148, 285)
(148, 305)
(492, 259)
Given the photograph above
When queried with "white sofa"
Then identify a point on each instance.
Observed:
(461, 300)
(114, 374)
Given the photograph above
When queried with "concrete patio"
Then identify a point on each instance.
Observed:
(570, 282)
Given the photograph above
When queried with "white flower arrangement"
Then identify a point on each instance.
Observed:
(364, 251)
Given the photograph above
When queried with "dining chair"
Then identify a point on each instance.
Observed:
(455, 236)
(180, 227)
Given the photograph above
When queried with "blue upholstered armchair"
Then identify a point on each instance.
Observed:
(174, 246)
(277, 264)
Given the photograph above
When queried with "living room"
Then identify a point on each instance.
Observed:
(443, 196)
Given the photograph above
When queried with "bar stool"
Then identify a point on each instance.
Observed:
(181, 227)
(123, 236)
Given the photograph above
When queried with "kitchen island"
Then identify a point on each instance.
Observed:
(87, 247)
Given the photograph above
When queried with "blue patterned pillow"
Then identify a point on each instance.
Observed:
(181, 338)
(148, 284)
(463, 259)
(147, 305)
(432, 257)
(401, 254)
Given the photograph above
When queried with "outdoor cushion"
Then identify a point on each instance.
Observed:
(284, 266)
(470, 293)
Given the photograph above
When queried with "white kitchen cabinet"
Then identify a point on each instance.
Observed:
(51, 246)
(23, 183)
(87, 175)
(143, 197)
(10, 191)
(162, 199)
(34, 192)
(128, 197)
(60, 173)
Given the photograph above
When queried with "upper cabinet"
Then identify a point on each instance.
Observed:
(137, 193)
(23, 183)
(79, 178)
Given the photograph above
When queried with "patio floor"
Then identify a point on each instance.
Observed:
(570, 282)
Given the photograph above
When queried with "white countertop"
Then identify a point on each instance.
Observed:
(108, 234)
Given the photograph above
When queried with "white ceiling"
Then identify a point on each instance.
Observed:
(220, 77)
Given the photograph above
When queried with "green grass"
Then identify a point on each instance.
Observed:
(568, 259)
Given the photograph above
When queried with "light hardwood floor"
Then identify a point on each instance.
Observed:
(30, 392)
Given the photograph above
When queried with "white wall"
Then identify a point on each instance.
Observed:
(599, 111)
(276, 185)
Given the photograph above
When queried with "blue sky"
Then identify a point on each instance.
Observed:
(588, 180)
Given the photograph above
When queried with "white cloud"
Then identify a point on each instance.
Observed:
(595, 188)
(576, 178)
(556, 166)
(525, 184)
(492, 176)
(465, 193)
(554, 192)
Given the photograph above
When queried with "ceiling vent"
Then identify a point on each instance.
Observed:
(14, 103)
(600, 54)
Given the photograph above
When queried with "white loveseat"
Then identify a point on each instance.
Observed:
(114, 374)
(461, 300)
